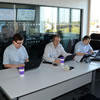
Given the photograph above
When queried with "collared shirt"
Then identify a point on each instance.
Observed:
(81, 47)
(13, 55)
(51, 53)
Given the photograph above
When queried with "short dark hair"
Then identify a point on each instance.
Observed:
(54, 36)
(17, 37)
(86, 38)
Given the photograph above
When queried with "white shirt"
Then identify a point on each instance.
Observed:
(51, 53)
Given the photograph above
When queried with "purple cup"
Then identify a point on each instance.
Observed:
(62, 60)
(21, 71)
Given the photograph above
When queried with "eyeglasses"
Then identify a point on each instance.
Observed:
(19, 42)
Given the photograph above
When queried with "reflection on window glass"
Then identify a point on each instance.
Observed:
(26, 14)
(27, 28)
(63, 20)
(48, 19)
(26, 23)
(34, 22)
(7, 18)
(75, 21)
(7, 14)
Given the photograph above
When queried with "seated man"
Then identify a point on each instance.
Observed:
(15, 55)
(53, 50)
(83, 47)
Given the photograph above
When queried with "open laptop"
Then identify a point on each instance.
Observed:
(32, 64)
(86, 56)
(69, 57)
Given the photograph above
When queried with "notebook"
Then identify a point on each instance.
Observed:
(32, 64)
(96, 57)
(69, 57)
(98, 53)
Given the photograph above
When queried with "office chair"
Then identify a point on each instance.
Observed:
(71, 45)
(95, 41)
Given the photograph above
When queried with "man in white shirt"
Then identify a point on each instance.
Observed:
(15, 55)
(53, 50)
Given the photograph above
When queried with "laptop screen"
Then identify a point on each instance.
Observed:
(85, 57)
(32, 64)
(69, 57)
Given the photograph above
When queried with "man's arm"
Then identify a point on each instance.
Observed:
(77, 50)
(27, 60)
(80, 54)
(64, 53)
(13, 65)
(91, 49)
(47, 53)
(56, 61)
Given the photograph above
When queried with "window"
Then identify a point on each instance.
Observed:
(64, 15)
(37, 24)
(25, 14)
(75, 21)
(7, 14)
(48, 19)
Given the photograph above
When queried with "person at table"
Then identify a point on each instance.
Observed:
(15, 55)
(53, 50)
(83, 47)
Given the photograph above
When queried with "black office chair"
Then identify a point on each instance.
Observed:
(71, 45)
(95, 41)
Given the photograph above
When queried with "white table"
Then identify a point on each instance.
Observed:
(8, 74)
(48, 81)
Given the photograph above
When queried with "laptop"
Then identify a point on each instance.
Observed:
(69, 57)
(32, 64)
(86, 56)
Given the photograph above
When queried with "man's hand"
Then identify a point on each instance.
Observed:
(57, 61)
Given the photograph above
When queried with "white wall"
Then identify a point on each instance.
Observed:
(83, 4)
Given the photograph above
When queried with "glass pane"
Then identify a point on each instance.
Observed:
(26, 20)
(48, 19)
(7, 18)
(64, 15)
(75, 21)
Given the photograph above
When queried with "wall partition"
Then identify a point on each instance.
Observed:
(37, 24)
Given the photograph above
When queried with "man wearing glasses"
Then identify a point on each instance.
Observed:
(15, 55)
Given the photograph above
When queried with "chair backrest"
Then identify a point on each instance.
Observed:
(71, 45)
(95, 41)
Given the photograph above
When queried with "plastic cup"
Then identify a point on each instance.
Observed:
(62, 61)
(21, 71)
